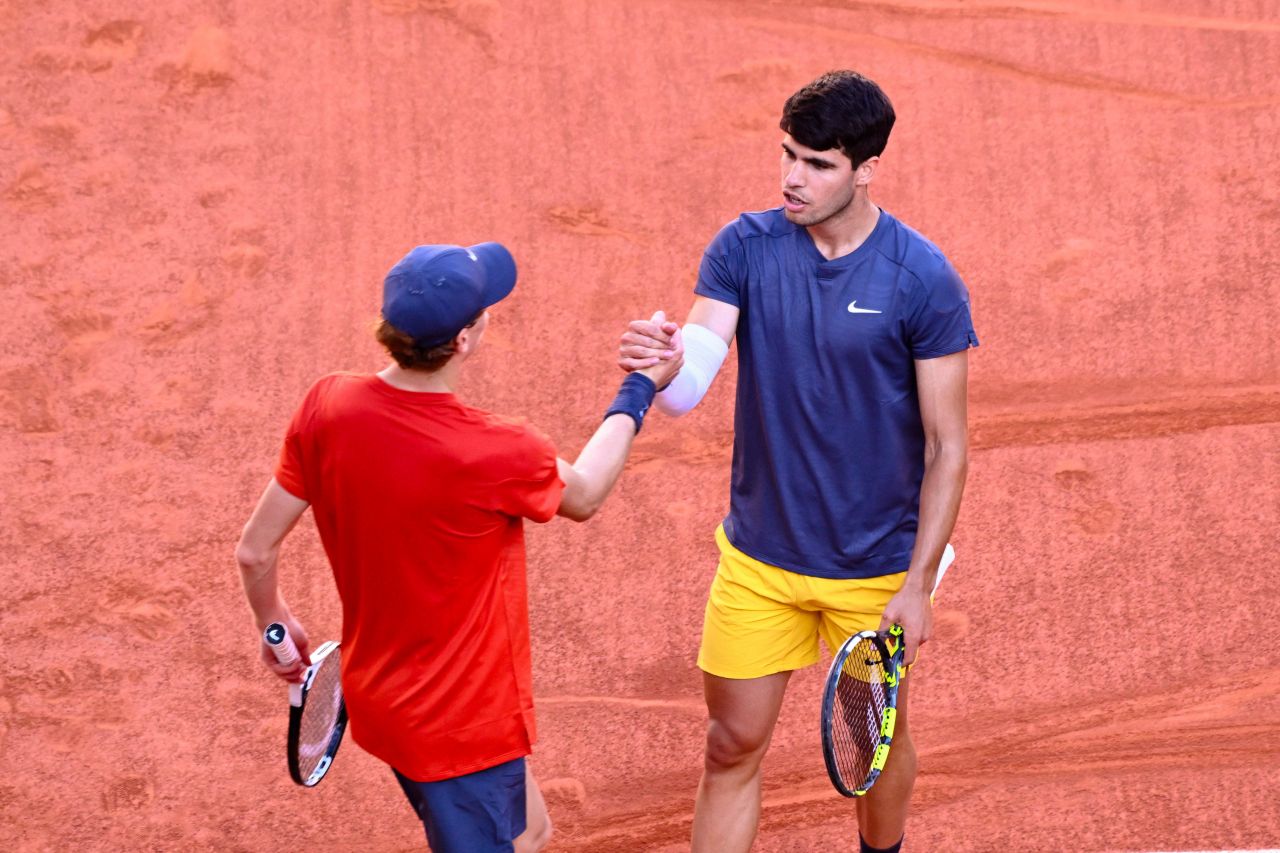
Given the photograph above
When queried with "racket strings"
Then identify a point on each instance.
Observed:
(320, 714)
(860, 703)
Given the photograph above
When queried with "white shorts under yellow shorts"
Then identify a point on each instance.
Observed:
(761, 619)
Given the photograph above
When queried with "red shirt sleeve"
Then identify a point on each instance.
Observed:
(290, 470)
(530, 486)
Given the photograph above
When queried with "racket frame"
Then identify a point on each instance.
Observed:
(295, 722)
(286, 652)
(890, 648)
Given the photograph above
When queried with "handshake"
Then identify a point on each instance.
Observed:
(681, 361)
(653, 348)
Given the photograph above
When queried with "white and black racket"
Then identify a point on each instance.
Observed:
(317, 712)
(860, 707)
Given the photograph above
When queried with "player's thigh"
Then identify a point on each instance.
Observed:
(537, 821)
(481, 812)
(741, 714)
(902, 722)
(753, 626)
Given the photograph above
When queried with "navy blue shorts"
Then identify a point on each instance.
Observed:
(482, 812)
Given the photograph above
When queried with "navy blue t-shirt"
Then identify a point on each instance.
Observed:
(828, 454)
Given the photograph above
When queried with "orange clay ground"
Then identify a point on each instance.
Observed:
(199, 201)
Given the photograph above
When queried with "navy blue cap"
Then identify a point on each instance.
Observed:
(435, 291)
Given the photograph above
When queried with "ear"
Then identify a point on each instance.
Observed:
(465, 340)
(866, 171)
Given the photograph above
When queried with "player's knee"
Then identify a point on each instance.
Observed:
(902, 757)
(731, 748)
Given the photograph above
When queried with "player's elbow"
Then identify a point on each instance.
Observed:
(251, 559)
(579, 507)
(948, 464)
(583, 494)
(951, 451)
(672, 406)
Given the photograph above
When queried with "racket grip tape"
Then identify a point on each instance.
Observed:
(277, 638)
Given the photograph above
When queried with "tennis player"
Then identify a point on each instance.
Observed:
(849, 455)
(419, 500)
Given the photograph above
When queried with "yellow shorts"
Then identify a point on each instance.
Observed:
(761, 619)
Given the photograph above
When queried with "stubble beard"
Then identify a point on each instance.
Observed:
(810, 218)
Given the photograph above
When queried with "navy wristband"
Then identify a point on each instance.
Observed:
(634, 398)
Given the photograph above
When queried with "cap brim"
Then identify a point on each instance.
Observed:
(499, 271)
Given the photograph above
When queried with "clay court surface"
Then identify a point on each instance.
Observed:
(199, 201)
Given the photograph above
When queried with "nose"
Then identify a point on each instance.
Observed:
(794, 176)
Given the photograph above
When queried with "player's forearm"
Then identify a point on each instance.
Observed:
(705, 352)
(259, 550)
(598, 466)
(946, 468)
(261, 587)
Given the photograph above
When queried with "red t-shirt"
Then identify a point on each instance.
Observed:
(419, 501)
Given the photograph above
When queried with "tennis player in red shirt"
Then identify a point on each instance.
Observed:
(420, 500)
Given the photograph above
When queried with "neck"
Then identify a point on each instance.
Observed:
(442, 381)
(841, 234)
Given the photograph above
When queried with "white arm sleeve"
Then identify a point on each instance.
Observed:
(704, 352)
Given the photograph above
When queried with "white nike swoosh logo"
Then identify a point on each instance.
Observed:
(854, 309)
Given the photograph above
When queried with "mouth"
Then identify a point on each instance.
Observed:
(792, 202)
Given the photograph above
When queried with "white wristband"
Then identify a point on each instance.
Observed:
(704, 352)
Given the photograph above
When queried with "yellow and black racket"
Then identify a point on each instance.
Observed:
(859, 708)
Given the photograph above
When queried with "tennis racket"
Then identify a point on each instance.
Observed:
(317, 712)
(860, 707)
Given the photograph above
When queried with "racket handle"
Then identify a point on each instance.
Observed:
(893, 638)
(277, 638)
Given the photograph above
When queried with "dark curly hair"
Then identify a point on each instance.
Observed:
(841, 109)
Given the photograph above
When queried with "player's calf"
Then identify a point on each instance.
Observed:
(882, 813)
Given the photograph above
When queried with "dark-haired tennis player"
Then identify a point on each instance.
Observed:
(849, 455)
(419, 500)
